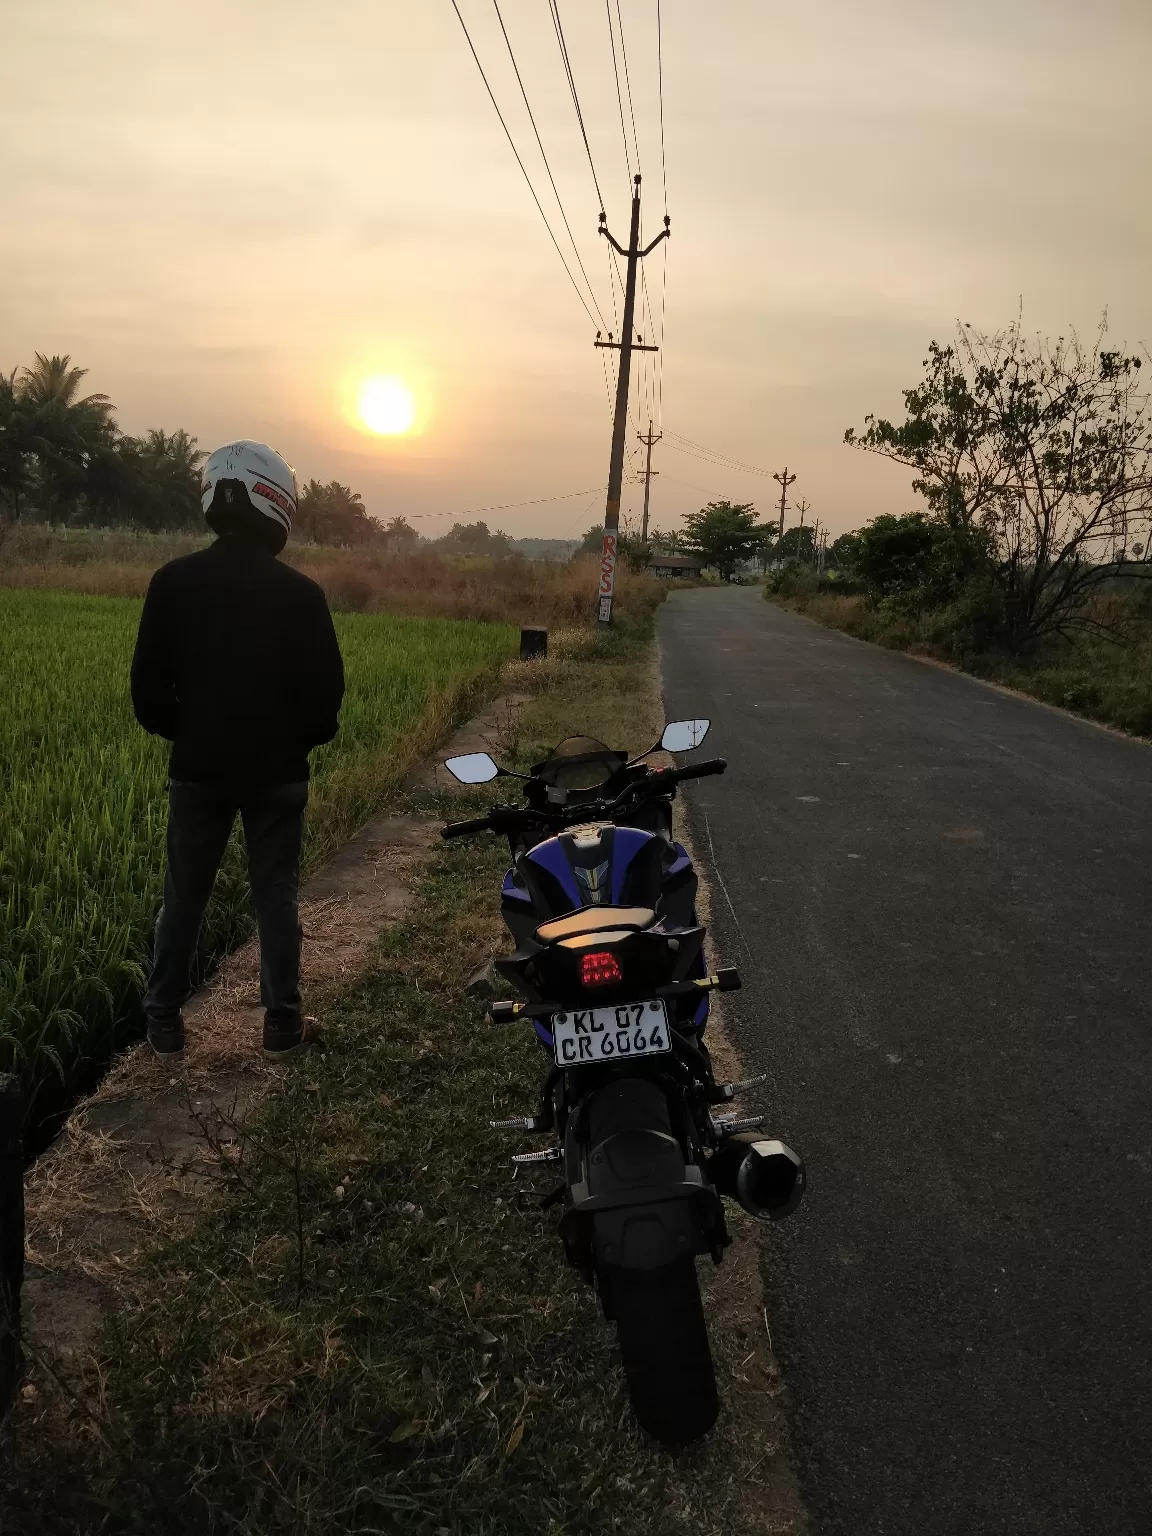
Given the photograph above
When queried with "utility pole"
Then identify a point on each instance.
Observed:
(785, 481)
(651, 442)
(802, 507)
(626, 346)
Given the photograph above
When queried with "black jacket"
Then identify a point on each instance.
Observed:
(237, 664)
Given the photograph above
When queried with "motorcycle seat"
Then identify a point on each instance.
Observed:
(589, 920)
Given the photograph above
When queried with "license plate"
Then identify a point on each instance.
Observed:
(589, 1035)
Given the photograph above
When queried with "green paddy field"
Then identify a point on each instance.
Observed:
(82, 804)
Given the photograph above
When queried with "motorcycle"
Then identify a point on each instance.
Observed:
(601, 902)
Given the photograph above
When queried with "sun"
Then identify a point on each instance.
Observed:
(386, 406)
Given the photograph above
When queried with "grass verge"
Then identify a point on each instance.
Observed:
(367, 1325)
(1100, 679)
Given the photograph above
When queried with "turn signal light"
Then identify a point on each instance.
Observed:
(600, 968)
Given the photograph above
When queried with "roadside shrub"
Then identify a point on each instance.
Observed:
(916, 561)
(792, 581)
(973, 624)
(350, 592)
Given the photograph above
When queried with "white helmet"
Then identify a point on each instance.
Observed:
(269, 480)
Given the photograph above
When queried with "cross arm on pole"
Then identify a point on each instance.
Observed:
(637, 346)
(665, 234)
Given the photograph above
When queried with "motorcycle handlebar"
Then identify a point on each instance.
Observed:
(698, 770)
(506, 818)
(463, 828)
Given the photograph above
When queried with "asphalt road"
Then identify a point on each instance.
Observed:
(939, 896)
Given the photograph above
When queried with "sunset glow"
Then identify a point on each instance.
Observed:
(386, 406)
(392, 313)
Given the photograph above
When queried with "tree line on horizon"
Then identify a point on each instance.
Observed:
(724, 535)
(65, 462)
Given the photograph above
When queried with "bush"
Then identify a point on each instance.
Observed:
(801, 583)
(917, 561)
(792, 581)
(973, 624)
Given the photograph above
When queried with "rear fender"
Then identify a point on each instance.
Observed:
(633, 1201)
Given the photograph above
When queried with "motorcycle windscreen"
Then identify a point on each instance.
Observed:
(579, 762)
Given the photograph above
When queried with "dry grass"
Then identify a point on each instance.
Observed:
(423, 583)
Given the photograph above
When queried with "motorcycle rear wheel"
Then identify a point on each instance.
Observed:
(664, 1344)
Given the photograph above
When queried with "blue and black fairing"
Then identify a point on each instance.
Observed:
(604, 865)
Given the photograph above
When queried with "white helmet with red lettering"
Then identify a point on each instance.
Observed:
(246, 478)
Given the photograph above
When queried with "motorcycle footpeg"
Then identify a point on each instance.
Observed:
(518, 1123)
(750, 1082)
(549, 1155)
(729, 1125)
(730, 1090)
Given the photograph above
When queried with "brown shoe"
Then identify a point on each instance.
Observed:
(284, 1038)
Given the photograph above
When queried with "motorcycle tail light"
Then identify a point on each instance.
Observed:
(600, 968)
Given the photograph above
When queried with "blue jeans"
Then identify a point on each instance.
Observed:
(200, 817)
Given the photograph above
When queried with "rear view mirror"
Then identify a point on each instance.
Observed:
(683, 735)
(472, 768)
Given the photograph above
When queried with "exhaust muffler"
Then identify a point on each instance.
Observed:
(765, 1176)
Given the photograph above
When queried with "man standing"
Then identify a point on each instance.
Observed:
(237, 664)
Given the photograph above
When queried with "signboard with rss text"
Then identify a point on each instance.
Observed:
(608, 564)
(607, 576)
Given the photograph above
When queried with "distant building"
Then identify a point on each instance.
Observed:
(676, 565)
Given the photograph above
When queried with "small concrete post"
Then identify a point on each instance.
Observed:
(533, 643)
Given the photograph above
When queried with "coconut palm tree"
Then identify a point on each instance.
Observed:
(62, 430)
(400, 534)
(53, 381)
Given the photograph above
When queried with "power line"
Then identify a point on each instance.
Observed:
(547, 167)
(653, 367)
(583, 513)
(660, 80)
(722, 460)
(718, 463)
(660, 343)
(664, 178)
(607, 382)
(628, 83)
(707, 490)
(554, 7)
(520, 163)
(619, 96)
(537, 501)
(562, 43)
(655, 359)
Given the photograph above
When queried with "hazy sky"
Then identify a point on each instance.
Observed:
(232, 213)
